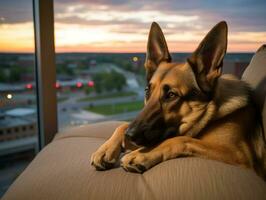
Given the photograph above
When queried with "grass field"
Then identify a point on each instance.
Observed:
(107, 96)
(116, 108)
(61, 99)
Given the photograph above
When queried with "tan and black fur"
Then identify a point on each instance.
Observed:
(191, 109)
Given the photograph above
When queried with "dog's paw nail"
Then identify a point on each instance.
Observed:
(107, 165)
(141, 168)
(125, 168)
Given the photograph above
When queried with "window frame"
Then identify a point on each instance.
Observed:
(45, 70)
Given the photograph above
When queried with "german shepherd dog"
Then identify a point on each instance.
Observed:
(190, 109)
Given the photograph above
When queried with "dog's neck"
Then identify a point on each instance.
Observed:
(230, 95)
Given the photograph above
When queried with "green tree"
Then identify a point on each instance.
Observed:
(98, 82)
(88, 90)
(15, 73)
(109, 81)
(118, 80)
(3, 77)
(64, 69)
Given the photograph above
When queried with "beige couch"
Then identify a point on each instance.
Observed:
(62, 169)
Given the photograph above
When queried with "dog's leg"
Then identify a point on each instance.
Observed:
(108, 154)
(144, 158)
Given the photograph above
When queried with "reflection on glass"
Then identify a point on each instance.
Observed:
(18, 120)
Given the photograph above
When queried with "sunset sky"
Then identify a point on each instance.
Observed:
(122, 26)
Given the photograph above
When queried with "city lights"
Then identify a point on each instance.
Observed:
(29, 86)
(79, 84)
(90, 83)
(135, 58)
(57, 85)
(9, 96)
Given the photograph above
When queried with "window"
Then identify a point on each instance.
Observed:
(94, 81)
(17, 90)
(100, 52)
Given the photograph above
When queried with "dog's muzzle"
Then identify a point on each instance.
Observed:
(132, 135)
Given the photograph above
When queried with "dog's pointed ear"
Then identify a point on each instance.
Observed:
(207, 59)
(157, 50)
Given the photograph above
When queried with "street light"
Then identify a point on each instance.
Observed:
(29, 86)
(79, 84)
(135, 58)
(91, 83)
(9, 96)
(57, 85)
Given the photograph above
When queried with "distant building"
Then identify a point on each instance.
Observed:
(7, 88)
(27, 77)
(85, 74)
(17, 123)
(92, 63)
(72, 65)
(26, 57)
(25, 63)
(21, 112)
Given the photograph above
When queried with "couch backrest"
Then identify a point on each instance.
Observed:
(255, 75)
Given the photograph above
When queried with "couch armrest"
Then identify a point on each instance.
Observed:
(255, 75)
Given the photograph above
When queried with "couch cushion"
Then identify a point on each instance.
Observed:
(62, 171)
(102, 130)
(255, 75)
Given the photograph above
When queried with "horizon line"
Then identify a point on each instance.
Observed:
(109, 52)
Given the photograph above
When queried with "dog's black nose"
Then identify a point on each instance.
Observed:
(130, 134)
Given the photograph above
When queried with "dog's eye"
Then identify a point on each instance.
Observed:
(147, 91)
(147, 88)
(170, 95)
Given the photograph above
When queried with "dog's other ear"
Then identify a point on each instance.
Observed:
(157, 50)
(207, 60)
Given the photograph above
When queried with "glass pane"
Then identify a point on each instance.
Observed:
(18, 120)
(96, 80)
(101, 46)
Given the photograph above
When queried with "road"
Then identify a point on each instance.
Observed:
(68, 110)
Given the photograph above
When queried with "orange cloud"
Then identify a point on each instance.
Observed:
(104, 38)
(17, 37)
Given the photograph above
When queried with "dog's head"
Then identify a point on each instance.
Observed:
(177, 95)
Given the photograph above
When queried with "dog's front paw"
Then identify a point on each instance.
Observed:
(139, 162)
(106, 156)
